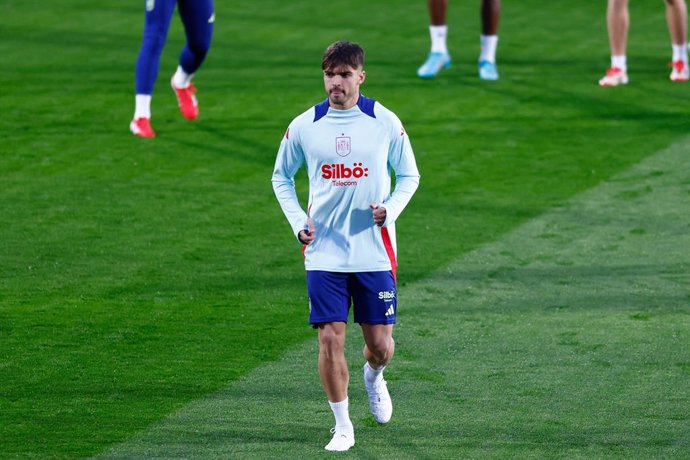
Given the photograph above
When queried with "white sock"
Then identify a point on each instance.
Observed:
(620, 61)
(341, 413)
(488, 44)
(142, 106)
(182, 79)
(680, 52)
(438, 38)
(371, 374)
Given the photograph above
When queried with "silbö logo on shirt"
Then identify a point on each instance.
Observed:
(341, 175)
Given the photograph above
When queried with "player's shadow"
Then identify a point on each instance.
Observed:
(361, 220)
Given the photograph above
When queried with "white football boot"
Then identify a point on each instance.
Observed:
(379, 399)
(343, 439)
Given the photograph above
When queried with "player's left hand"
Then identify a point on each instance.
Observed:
(379, 214)
(307, 235)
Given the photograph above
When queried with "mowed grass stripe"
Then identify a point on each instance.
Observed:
(568, 337)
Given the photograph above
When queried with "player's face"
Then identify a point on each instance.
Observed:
(342, 85)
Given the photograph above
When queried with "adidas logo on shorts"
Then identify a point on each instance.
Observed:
(390, 311)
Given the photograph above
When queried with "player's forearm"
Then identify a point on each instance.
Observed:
(405, 187)
(287, 197)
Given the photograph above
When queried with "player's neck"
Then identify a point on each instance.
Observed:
(346, 105)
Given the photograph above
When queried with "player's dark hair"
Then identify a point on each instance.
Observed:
(343, 52)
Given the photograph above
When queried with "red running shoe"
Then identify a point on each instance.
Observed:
(186, 99)
(141, 127)
(680, 71)
(614, 77)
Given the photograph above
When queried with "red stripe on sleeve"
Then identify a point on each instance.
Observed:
(389, 250)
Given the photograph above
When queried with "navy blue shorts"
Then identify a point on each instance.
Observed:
(372, 294)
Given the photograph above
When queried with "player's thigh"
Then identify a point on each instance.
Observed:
(329, 297)
(374, 296)
(378, 337)
(158, 16)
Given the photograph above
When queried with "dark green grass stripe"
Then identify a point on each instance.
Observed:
(570, 337)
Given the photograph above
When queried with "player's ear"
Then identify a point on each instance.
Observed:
(362, 76)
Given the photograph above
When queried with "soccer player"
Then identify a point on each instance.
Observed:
(439, 58)
(198, 18)
(618, 23)
(349, 144)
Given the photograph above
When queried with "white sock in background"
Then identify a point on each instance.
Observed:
(488, 46)
(680, 52)
(181, 79)
(620, 62)
(142, 106)
(438, 38)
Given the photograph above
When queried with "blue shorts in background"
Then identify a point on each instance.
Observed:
(372, 294)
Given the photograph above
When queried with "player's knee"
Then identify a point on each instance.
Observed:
(381, 347)
(154, 42)
(330, 341)
(199, 48)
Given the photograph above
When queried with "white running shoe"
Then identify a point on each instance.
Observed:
(433, 65)
(614, 76)
(680, 71)
(379, 399)
(488, 70)
(343, 439)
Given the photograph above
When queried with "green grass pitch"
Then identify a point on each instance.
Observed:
(152, 298)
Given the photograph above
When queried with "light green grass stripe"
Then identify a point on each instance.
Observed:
(567, 338)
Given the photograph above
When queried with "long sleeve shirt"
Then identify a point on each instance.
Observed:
(349, 155)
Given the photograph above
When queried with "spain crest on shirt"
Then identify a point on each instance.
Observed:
(343, 146)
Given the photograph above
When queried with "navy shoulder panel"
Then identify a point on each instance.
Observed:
(320, 110)
(366, 105)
